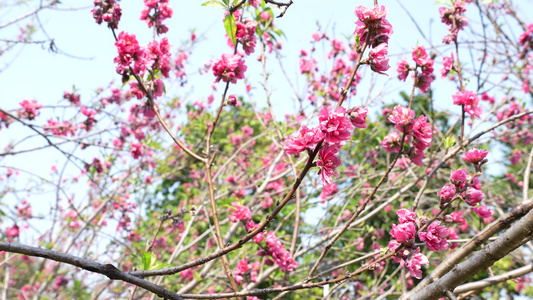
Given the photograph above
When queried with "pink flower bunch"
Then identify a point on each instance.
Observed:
(62, 129)
(473, 196)
(484, 213)
(475, 156)
(161, 11)
(306, 139)
(239, 212)
(308, 66)
(379, 63)
(425, 77)
(446, 193)
(229, 68)
(418, 134)
(470, 102)
(108, 11)
(447, 65)
(30, 109)
(335, 125)
(406, 230)
(357, 116)
(453, 17)
(159, 53)
(328, 162)
(5, 119)
(435, 236)
(245, 35)
(328, 190)
(73, 98)
(337, 47)
(409, 258)
(244, 269)
(372, 22)
(282, 258)
(130, 52)
(373, 28)
(526, 40)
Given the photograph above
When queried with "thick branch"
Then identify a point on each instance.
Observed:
(105, 269)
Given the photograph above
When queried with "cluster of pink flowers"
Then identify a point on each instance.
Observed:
(246, 270)
(229, 68)
(447, 65)
(334, 130)
(418, 134)
(461, 183)
(62, 128)
(373, 28)
(425, 76)
(245, 35)
(274, 248)
(155, 12)
(526, 40)
(453, 17)
(410, 256)
(239, 212)
(5, 119)
(130, 52)
(470, 101)
(73, 98)
(30, 109)
(435, 237)
(108, 11)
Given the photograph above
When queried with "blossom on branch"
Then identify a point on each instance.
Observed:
(328, 162)
(229, 68)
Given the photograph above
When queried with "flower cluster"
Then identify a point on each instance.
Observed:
(447, 65)
(30, 109)
(108, 11)
(424, 64)
(245, 270)
(374, 29)
(229, 68)
(418, 134)
(239, 212)
(62, 129)
(463, 184)
(409, 256)
(453, 17)
(470, 101)
(155, 12)
(245, 35)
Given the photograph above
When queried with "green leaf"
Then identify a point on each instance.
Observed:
(215, 4)
(231, 28)
(146, 260)
(448, 142)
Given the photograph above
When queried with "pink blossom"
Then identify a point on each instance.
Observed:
(378, 61)
(282, 257)
(255, 4)
(30, 109)
(424, 80)
(422, 131)
(406, 215)
(420, 55)
(446, 193)
(370, 15)
(130, 52)
(435, 237)
(13, 231)
(414, 263)
(328, 190)
(402, 117)
(229, 68)
(447, 65)
(336, 125)
(265, 15)
(473, 196)
(458, 177)
(161, 11)
(108, 11)
(357, 116)
(391, 142)
(475, 156)
(515, 157)
(470, 102)
(62, 129)
(483, 211)
(239, 212)
(160, 55)
(306, 139)
(403, 232)
(328, 162)
(403, 68)
(136, 150)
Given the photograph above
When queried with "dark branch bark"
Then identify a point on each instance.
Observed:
(510, 240)
(105, 269)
